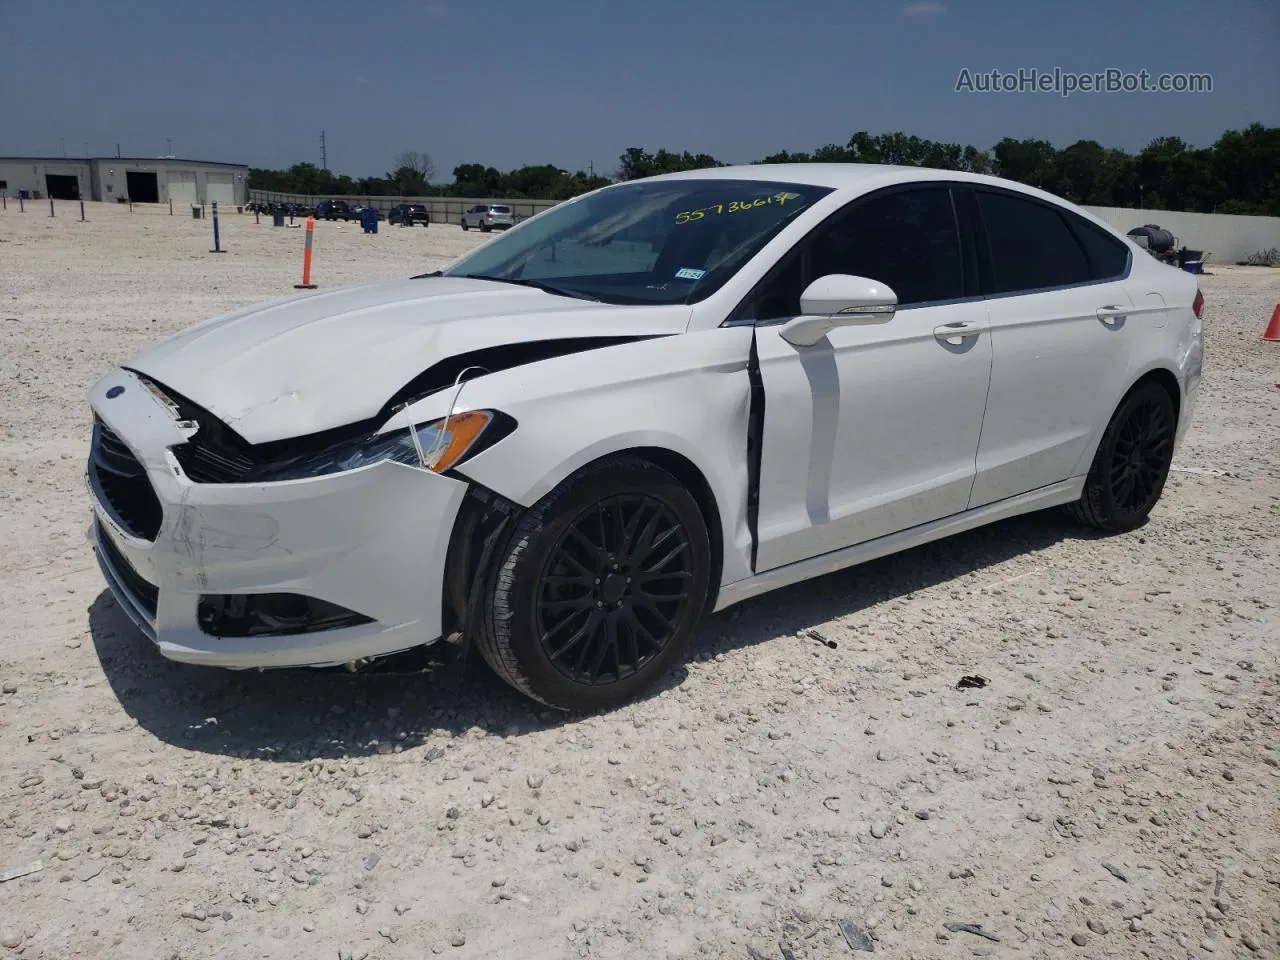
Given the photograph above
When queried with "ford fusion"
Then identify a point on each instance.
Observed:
(638, 407)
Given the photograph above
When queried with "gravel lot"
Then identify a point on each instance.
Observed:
(1112, 792)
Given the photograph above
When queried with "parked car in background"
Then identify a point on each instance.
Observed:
(333, 210)
(489, 216)
(409, 213)
(652, 402)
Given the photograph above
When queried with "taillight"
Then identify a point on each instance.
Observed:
(1197, 305)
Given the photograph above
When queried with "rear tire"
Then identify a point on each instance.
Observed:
(599, 587)
(1132, 463)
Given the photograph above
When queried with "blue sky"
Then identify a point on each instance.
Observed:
(506, 83)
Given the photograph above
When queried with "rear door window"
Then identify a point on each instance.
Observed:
(1030, 245)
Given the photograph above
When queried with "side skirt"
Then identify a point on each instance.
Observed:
(1053, 495)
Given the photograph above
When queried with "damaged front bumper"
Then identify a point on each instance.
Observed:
(312, 572)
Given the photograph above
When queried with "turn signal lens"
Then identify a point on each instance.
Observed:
(445, 441)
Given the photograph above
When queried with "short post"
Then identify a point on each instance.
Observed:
(255, 215)
(22, 207)
(82, 211)
(171, 206)
(306, 283)
(217, 244)
(4, 199)
(51, 206)
(131, 204)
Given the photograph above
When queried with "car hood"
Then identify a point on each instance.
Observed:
(312, 362)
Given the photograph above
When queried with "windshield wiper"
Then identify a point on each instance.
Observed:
(536, 284)
(433, 273)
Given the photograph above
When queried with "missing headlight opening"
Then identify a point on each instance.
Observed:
(265, 614)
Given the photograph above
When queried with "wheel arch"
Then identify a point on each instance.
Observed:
(1167, 379)
(469, 529)
(1156, 373)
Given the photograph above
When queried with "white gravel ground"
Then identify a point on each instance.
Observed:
(1113, 791)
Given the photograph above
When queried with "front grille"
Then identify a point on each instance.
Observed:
(209, 458)
(123, 485)
(144, 593)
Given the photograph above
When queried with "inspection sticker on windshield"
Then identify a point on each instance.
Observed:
(690, 273)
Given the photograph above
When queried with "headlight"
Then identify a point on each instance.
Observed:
(438, 446)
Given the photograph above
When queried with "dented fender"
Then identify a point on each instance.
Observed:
(687, 394)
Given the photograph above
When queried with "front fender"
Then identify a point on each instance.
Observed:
(687, 394)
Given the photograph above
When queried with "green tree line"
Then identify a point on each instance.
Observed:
(1239, 173)
(540, 182)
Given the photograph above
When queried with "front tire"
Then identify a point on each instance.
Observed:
(1132, 463)
(598, 588)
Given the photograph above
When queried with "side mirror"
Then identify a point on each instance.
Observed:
(839, 300)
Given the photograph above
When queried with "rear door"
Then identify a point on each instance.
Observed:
(1061, 333)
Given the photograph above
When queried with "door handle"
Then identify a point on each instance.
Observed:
(1112, 313)
(957, 330)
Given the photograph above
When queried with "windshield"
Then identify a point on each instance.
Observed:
(648, 242)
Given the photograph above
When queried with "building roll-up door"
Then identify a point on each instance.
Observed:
(182, 187)
(220, 187)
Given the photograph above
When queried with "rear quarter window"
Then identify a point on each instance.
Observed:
(1108, 257)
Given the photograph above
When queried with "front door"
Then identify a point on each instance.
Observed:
(874, 429)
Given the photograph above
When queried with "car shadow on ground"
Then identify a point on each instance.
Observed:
(296, 715)
(846, 592)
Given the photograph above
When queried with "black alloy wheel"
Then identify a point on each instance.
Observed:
(1139, 459)
(615, 589)
(598, 587)
(1132, 463)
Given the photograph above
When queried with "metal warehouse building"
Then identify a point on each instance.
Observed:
(140, 179)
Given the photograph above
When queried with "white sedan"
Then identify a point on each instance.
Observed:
(645, 404)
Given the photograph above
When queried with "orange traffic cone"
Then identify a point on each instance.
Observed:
(1273, 328)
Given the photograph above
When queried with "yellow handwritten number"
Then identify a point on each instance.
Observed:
(735, 206)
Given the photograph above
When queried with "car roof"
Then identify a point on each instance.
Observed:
(859, 177)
